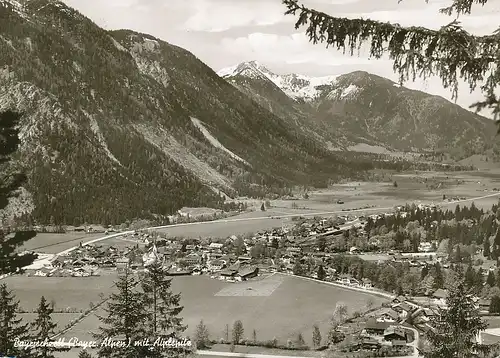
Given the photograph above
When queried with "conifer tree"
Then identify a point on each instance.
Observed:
(237, 331)
(226, 333)
(491, 279)
(316, 336)
(11, 327)
(125, 320)
(202, 337)
(84, 354)
(456, 328)
(300, 340)
(321, 273)
(11, 260)
(449, 53)
(495, 305)
(486, 248)
(43, 330)
(164, 306)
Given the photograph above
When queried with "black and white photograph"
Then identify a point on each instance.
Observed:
(249, 178)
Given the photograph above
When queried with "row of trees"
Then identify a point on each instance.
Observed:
(13, 330)
(203, 341)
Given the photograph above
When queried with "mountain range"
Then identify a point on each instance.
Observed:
(362, 110)
(120, 125)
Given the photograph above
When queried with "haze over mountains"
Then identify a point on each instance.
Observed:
(360, 107)
(119, 125)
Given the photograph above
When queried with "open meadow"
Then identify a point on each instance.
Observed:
(68, 293)
(411, 187)
(275, 306)
(52, 243)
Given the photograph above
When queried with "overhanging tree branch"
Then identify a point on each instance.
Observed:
(449, 53)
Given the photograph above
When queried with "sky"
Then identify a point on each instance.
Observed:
(223, 33)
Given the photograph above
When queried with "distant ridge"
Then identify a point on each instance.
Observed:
(363, 110)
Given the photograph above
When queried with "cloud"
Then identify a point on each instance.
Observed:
(289, 49)
(430, 17)
(218, 16)
(334, 2)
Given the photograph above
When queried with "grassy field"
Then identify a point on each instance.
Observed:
(73, 292)
(261, 220)
(292, 305)
(61, 319)
(425, 187)
(50, 243)
(493, 321)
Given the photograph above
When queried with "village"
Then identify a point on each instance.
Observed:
(303, 249)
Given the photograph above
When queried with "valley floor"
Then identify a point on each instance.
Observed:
(291, 305)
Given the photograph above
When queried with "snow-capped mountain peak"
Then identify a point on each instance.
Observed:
(251, 69)
(294, 85)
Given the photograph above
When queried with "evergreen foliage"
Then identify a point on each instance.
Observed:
(163, 308)
(450, 52)
(202, 337)
(84, 354)
(237, 331)
(11, 326)
(44, 330)
(456, 328)
(316, 336)
(10, 181)
(126, 321)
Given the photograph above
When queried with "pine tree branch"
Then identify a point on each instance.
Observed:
(450, 52)
(459, 6)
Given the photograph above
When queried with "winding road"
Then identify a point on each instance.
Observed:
(270, 217)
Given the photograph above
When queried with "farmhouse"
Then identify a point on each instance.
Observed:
(244, 259)
(403, 309)
(191, 259)
(247, 273)
(179, 272)
(43, 272)
(370, 343)
(107, 263)
(367, 283)
(388, 316)
(483, 304)
(422, 315)
(376, 328)
(216, 245)
(216, 265)
(439, 296)
(228, 274)
(395, 333)
(122, 264)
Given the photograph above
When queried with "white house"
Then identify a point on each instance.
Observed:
(216, 245)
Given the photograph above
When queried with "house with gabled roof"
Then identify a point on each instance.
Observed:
(228, 274)
(440, 296)
(376, 328)
(403, 309)
(395, 333)
(246, 273)
(388, 315)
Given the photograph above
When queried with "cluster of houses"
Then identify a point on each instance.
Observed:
(82, 262)
(389, 325)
